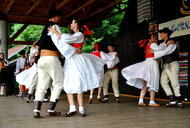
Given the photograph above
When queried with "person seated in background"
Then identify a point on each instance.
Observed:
(3, 64)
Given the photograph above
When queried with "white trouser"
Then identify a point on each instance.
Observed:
(111, 75)
(33, 84)
(170, 73)
(49, 67)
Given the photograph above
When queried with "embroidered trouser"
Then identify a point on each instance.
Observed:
(170, 73)
(111, 75)
(49, 67)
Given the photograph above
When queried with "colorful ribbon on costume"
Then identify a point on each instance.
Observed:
(142, 42)
(96, 47)
(86, 31)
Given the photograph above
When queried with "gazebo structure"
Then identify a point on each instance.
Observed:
(27, 12)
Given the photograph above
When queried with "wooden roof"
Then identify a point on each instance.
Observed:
(36, 11)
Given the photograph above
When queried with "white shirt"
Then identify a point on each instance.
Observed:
(32, 52)
(111, 59)
(20, 64)
(65, 40)
(6, 63)
(166, 50)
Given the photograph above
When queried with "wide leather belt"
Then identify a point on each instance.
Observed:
(113, 68)
(49, 53)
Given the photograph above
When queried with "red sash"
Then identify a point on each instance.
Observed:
(96, 53)
(77, 45)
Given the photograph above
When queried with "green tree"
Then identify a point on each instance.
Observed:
(109, 28)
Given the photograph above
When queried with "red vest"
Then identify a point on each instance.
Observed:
(148, 55)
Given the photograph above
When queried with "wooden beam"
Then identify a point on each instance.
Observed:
(32, 20)
(27, 20)
(18, 32)
(8, 6)
(33, 7)
(48, 7)
(38, 20)
(100, 10)
(22, 42)
(81, 7)
(62, 3)
(86, 12)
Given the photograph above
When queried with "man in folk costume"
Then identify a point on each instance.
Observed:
(49, 67)
(111, 73)
(21, 66)
(170, 57)
(107, 58)
(83, 67)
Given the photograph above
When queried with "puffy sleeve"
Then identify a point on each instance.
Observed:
(74, 38)
(157, 47)
(107, 57)
(167, 51)
(65, 49)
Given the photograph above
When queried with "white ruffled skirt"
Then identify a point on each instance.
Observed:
(82, 72)
(147, 71)
(26, 77)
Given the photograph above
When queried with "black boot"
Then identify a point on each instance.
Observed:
(22, 95)
(117, 100)
(46, 98)
(179, 103)
(171, 98)
(28, 98)
(171, 103)
(51, 110)
(105, 99)
(33, 97)
(37, 109)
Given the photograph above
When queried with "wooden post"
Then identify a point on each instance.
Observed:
(3, 37)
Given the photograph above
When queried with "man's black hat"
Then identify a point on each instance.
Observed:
(166, 30)
(53, 12)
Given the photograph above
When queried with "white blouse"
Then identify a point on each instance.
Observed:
(63, 43)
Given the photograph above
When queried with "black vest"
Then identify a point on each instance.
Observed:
(174, 56)
(46, 42)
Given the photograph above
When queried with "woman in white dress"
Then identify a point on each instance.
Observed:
(80, 70)
(145, 75)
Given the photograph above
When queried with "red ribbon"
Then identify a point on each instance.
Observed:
(87, 31)
(96, 47)
(142, 42)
